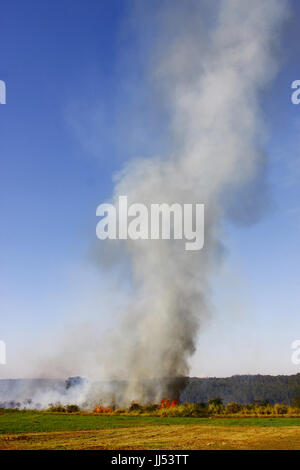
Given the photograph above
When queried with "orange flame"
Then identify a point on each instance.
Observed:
(102, 409)
(166, 403)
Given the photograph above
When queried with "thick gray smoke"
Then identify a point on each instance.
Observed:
(212, 78)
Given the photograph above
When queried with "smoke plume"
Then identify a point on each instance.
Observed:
(211, 65)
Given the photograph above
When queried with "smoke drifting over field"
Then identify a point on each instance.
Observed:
(210, 62)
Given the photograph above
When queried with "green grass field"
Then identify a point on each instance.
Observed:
(41, 430)
(33, 421)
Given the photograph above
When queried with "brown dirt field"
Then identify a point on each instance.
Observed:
(183, 437)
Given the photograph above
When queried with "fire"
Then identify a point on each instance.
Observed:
(166, 403)
(102, 409)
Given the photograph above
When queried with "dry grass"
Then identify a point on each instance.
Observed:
(160, 437)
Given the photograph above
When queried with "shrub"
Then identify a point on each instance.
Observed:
(296, 403)
(201, 409)
(232, 408)
(57, 408)
(72, 408)
(215, 405)
(293, 411)
(249, 409)
(281, 409)
(135, 407)
(150, 408)
(119, 411)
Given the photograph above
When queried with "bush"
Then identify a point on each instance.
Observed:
(232, 408)
(296, 403)
(293, 411)
(151, 408)
(215, 406)
(264, 409)
(119, 411)
(135, 407)
(249, 409)
(57, 408)
(72, 408)
(201, 409)
(281, 409)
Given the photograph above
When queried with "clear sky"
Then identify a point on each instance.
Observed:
(77, 109)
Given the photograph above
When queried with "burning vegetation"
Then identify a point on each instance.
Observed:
(165, 403)
(103, 409)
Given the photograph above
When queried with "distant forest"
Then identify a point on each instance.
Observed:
(243, 389)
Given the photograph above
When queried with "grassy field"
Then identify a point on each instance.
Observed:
(40, 430)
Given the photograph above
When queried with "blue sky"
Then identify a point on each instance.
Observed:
(77, 109)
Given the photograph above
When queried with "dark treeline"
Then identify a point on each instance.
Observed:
(243, 389)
